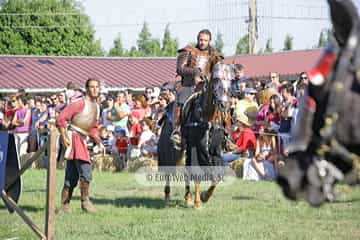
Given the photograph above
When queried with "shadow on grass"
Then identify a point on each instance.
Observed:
(135, 202)
(243, 198)
(337, 201)
(34, 190)
(130, 202)
(26, 208)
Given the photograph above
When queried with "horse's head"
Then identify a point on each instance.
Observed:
(220, 84)
(344, 15)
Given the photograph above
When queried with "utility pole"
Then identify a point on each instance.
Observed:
(252, 26)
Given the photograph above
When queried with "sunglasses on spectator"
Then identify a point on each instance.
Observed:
(303, 77)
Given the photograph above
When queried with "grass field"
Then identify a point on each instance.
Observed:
(243, 210)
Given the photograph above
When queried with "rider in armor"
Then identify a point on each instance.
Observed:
(194, 65)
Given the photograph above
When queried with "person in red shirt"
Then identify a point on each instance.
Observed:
(134, 135)
(120, 148)
(76, 122)
(244, 137)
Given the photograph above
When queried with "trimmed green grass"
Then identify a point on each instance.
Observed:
(127, 210)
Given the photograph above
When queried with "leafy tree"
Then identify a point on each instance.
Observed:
(41, 30)
(242, 46)
(219, 42)
(148, 46)
(117, 49)
(169, 45)
(133, 52)
(268, 46)
(288, 43)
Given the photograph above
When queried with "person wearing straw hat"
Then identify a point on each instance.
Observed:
(244, 138)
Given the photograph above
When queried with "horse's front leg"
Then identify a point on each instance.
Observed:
(188, 196)
(167, 189)
(197, 201)
(205, 196)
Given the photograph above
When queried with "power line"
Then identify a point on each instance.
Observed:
(159, 23)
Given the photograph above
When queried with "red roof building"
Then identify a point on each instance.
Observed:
(50, 73)
(285, 63)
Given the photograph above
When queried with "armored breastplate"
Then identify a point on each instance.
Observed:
(200, 60)
(87, 118)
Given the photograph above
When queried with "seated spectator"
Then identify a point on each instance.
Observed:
(148, 140)
(258, 168)
(266, 142)
(253, 168)
(244, 138)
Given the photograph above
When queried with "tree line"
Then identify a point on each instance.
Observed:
(61, 27)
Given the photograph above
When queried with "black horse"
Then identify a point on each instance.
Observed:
(326, 145)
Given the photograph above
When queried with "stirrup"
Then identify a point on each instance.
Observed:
(176, 139)
(322, 177)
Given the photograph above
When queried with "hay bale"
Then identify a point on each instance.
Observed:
(237, 166)
(103, 163)
(140, 162)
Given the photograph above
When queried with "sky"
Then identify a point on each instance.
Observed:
(302, 19)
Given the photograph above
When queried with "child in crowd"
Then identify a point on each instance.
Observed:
(134, 135)
(120, 147)
(148, 139)
(106, 138)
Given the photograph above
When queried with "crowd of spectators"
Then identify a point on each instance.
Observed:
(263, 114)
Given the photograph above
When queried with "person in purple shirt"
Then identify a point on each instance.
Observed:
(21, 121)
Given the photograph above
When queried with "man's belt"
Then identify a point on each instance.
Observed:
(78, 130)
(198, 124)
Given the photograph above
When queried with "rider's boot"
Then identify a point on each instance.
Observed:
(176, 134)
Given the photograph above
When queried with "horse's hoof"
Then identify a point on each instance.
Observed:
(197, 205)
(188, 199)
(203, 197)
(189, 203)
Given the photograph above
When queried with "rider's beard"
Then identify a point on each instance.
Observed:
(202, 47)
